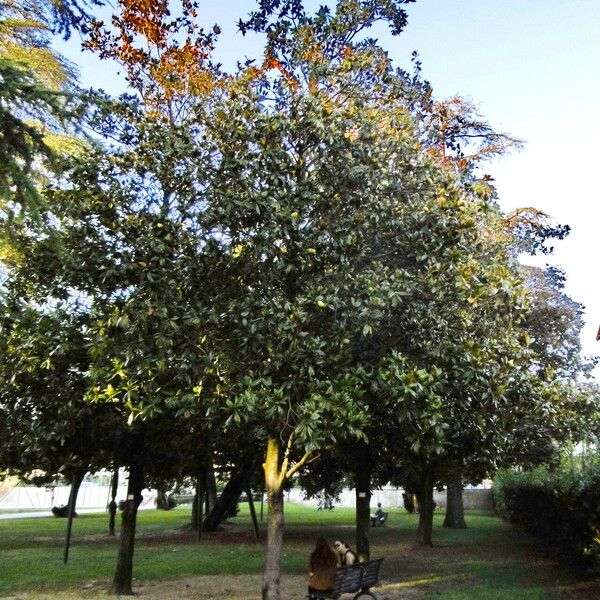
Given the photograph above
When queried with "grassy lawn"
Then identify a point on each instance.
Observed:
(487, 561)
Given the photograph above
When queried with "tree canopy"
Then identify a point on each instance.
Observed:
(298, 255)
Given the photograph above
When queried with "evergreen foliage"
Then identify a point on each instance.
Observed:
(560, 507)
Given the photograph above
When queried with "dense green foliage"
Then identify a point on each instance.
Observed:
(286, 257)
(34, 115)
(561, 507)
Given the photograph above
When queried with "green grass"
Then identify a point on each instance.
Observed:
(484, 561)
(496, 584)
(149, 521)
(169, 553)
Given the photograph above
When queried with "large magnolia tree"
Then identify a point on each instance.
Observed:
(337, 227)
(274, 252)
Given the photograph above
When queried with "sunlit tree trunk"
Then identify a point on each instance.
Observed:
(277, 471)
(274, 486)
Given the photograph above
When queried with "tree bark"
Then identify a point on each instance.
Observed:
(112, 507)
(362, 482)
(408, 500)
(455, 511)
(425, 497)
(162, 500)
(227, 500)
(274, 487)
(252, 510)
(124, 572)
(195, 509)
(75, 485)
(199, 502)
(211, 488)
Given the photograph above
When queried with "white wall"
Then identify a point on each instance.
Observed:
(392, 498)
(90, 496)
(96, 496)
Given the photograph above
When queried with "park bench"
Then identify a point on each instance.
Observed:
(376, 521)
(359, 577)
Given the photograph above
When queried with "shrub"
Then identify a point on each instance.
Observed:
(560, 507)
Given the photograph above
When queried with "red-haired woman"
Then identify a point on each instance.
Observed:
(323, 564)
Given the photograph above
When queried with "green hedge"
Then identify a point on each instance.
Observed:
(560, 507)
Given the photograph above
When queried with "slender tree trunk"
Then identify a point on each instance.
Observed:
(124, 571)
(425, 497)
(75, 485)
(200, 492)
(252, 510)
(274, 487)
(455, 511)
(162, 500)
(195, 509)
(227, 500)
(211, 488)
(362, 482)
(112, 507)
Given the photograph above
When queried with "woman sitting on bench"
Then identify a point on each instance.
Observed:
(323, 565)
(347, 556)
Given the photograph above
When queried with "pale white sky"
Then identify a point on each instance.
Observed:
(532, 67)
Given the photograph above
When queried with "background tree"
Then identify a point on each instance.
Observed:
(37, 119)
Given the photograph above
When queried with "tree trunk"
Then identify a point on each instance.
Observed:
(112, 507)
(227, 500)
(274, 487)
(252, 510)
(425, 497)
(408, 500)
(199, 502)
(195, 509)
(455, 511)
(75, 485)
(362, 482)
(211, 488)
(162, 500)
(124, 571)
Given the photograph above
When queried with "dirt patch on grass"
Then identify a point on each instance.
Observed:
(584, 590)
(248, 588)
(235, 587)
